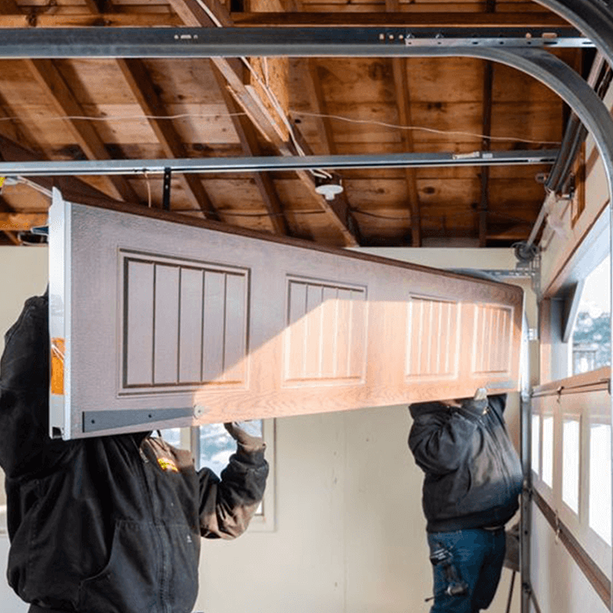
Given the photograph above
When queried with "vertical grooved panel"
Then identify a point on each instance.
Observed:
(296, 330)
(214, 326)
(329, 323)
(314, 340)
(138, 326)
(185, 323)
(236, 323)
(358, 335)
(492, 339)
(166, 328)
(432, 345)
(326, 331)
(343, 336)
(190, 328)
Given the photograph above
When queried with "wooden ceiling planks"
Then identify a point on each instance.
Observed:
(336, 105)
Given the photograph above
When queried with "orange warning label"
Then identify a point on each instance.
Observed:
(58, 347)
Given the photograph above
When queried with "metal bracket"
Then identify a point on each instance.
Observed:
(94, 421)
(166, 189)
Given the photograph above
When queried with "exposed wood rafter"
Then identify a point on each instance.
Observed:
(246, 133)
(488, 81)
(135, 74)
(49, 78)
(193, 14)
(403, 102)
(20, 222)
(394, 18)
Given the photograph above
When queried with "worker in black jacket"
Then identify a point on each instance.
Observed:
(473, 478)
(109, 524)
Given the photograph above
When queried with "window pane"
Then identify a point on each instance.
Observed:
(172, 436)
(600, 480)
(536, 439)
(591, 342)
(216, 445)
(570, 464)
(548, 450)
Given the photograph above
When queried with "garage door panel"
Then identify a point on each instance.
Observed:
(182, 323)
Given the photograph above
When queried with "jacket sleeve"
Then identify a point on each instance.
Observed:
(25, 446)
(440, 440)
(228, 504)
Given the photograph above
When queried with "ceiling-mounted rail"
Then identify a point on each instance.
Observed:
(273, 41)
(275, 163)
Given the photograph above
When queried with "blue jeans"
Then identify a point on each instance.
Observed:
(466, 566)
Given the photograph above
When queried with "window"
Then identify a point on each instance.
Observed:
(212, 447)
(570, 463)
(600, 481)
(591, 336)
(547, 458)
(536, 447)
(216, 445)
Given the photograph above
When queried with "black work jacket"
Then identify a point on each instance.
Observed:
(109, 524)
(473, 475)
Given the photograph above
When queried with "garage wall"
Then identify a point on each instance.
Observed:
(350, 534)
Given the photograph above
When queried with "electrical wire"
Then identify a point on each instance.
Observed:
(304, 113)
(425, 129)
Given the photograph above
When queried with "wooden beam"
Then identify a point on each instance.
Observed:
(432, 20)
(488, 79)
(21, 222)
(49, 78)
(10, 6)
(403, 104)
(137, 77)
(275, 130)
(71, 187)
(69, 20)
(246, 134)
(326, 133)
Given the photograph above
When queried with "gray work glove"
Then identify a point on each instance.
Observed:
(477, 406)
(245, 441)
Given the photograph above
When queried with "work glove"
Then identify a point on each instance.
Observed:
(247, 442)
(477, 406)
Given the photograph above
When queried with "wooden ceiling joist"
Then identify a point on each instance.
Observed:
(193, 14)
(326, 133)
(21, 222)
(246, 134)
(488, 82)
(396, 18)
(68, 20)
(73, 188)
(49, 78)
(135, 74)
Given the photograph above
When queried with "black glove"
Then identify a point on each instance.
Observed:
(245, 441)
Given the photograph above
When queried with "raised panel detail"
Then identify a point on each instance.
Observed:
(184, 323)
(433, 338)
(325, 338)
(492, 339)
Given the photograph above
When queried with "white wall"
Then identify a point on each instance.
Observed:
(350, 533)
